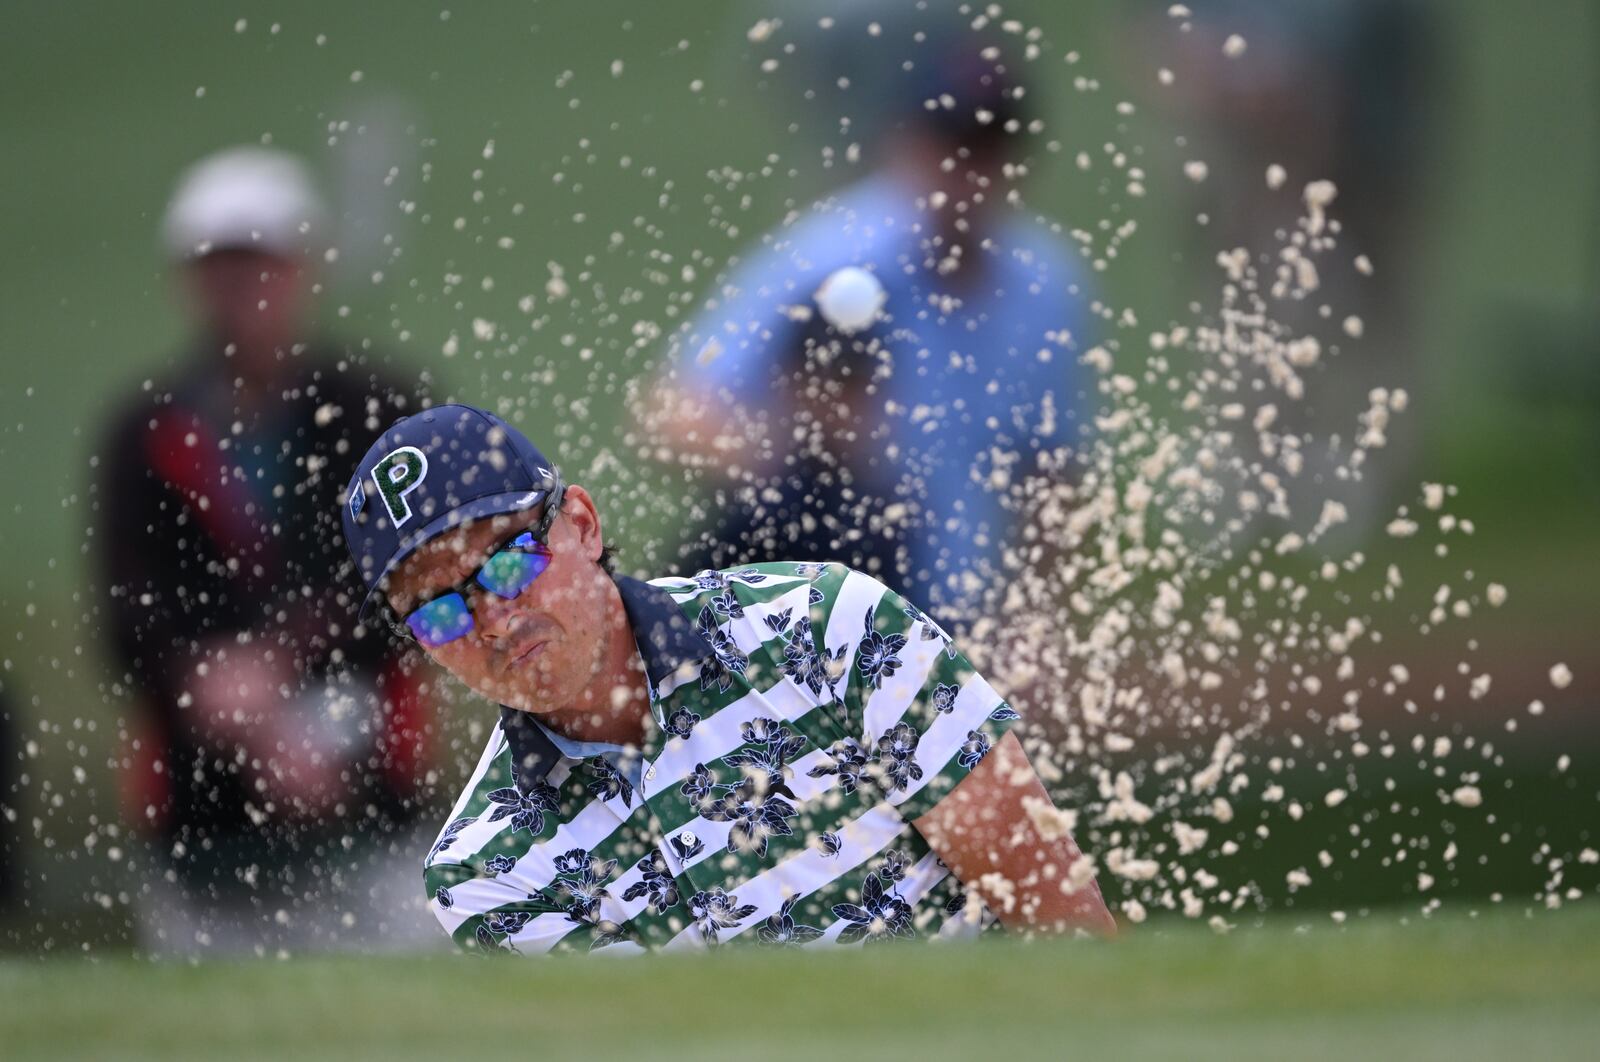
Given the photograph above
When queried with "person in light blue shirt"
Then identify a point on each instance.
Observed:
(893, 447)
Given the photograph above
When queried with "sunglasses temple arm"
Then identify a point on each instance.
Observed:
(557, 494)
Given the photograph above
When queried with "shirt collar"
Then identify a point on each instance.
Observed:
(533, 754)
(667, 642)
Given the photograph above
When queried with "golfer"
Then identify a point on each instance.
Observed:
(785, 753)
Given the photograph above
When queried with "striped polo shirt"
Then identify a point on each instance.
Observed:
(802, 717)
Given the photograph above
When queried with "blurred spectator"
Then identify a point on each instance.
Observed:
(891, 446)
(10, 801)
(273, 745)
(1337, 90)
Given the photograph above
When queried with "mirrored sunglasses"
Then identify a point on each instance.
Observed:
(507, 573)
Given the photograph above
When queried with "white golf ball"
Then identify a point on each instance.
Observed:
(850, 299)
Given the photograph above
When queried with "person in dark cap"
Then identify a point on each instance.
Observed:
(786, 753)
(892, 441)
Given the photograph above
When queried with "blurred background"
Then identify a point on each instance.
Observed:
(528, 201)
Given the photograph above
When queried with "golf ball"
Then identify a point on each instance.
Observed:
(850, 299)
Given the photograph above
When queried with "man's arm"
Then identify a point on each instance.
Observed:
(951, 764)
(999, 832)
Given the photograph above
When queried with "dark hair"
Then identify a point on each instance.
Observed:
(608, 559)
(977, 85)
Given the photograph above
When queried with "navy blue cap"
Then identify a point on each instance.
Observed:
(429, 473)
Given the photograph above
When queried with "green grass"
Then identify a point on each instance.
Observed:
(1452, 987)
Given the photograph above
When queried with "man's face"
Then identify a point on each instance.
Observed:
(249, 297)
(538, 651)
(969, 177)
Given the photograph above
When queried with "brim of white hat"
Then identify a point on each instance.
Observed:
(290, 246)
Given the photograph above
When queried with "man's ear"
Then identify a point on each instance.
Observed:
(579, 510)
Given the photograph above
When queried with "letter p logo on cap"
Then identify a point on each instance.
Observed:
(397, 474)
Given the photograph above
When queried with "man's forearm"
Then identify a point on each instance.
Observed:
(999, 832)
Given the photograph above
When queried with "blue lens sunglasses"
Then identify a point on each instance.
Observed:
(509, 571)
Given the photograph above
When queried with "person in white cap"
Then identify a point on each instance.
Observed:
(271, 750)
(241, 226)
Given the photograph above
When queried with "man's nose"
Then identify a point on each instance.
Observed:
(497, 618)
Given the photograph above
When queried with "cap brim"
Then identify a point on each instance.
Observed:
(478, 509)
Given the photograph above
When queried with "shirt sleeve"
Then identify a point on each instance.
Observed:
(760, 311)
(1055, 300)
(474, 885)
(922, 715)
(731, 348)
(160, 599)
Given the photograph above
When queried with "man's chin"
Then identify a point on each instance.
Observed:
(533, 699)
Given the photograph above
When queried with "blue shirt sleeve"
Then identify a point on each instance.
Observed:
(1055, 299)
(749, 323)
